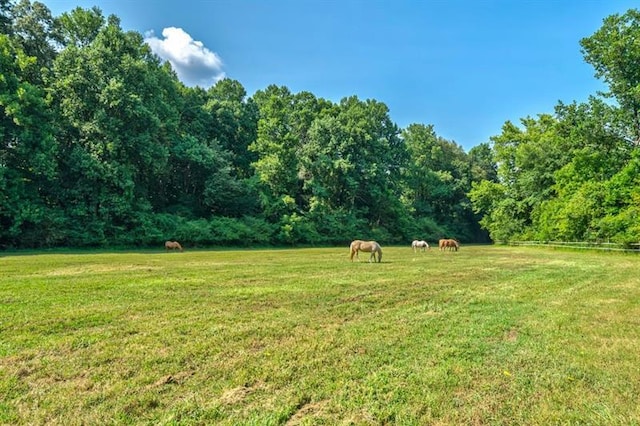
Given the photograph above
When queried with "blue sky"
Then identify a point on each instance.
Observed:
(465, 67)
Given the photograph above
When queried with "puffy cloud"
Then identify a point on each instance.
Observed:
(195, 64)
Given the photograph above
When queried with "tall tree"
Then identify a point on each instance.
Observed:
(614, 52)
(202, 178)
(235, 122)
(284, 123)
(35, 30)
(377, 154)
(80, 26)
(437, 178)
(527, 159)
(483, 166)
(5, 16)
(27, 153)
(118, 115)
(275, 148)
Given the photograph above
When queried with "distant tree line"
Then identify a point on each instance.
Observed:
(102, 145)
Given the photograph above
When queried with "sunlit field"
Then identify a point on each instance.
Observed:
(487, 335)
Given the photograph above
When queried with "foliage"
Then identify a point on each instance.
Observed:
(28, 153)
(101, 145)
(614, 52)
(571, 176)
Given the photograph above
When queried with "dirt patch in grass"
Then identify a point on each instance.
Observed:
(170, 379)
(307, 410)
(238, 394)
(511, 335)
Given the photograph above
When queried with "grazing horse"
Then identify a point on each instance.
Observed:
(448, 243)
(172, 245)
(366, 246)
(415, 245)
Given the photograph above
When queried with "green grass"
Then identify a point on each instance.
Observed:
(487, 335)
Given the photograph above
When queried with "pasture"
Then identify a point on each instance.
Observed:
(487, 335)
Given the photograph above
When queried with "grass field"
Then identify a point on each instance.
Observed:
(488, 335)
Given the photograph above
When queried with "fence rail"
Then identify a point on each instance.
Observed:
(587, 245)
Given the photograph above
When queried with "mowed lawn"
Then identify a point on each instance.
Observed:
(487, 335)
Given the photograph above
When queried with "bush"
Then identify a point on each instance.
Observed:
(225, 231)
(295, 229)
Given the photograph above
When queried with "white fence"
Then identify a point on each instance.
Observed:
(635, 247)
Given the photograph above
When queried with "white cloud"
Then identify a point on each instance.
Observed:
(195, 64)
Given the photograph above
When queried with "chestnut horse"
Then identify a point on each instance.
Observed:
(366, 246)
(172, 245)
(448, 243)
(415, 245)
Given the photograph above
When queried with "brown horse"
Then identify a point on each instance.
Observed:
(172, 245)
(416, 245)
(366, 246)
(451, 244)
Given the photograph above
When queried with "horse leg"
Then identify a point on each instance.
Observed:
(355, 252)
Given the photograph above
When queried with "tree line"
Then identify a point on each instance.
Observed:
(102, 145)
(574, 175)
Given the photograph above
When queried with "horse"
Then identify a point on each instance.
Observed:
(415, 245)
(366, 246)
(448, 243)
(172, 245)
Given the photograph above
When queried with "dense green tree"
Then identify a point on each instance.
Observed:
(373, 146)
(497, 209)
(34, 29)
(438, 177)
(527, 159)
(350, 164)
(483, 166)
(80, 26)
(594, 150)
(284, 123)
(621, 203)
(117, 118)
(614, 52)
(5, 17)
(275, 148)
(27, 154)
(202, 180)
(556, 177)
(235, 121)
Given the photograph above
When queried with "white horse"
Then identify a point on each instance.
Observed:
(416, 245)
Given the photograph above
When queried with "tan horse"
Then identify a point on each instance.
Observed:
(416, 245)
(451, 244)
(366, 246)
(172, 245)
